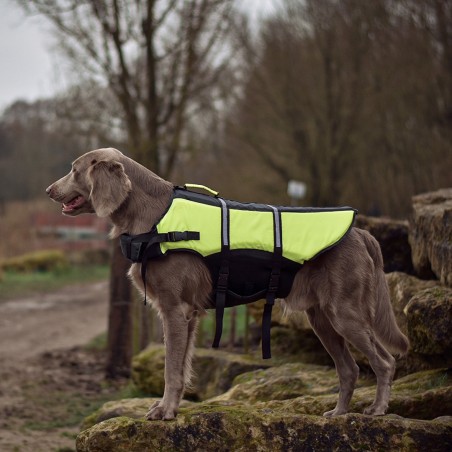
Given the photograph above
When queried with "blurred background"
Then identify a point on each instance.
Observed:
(350, 99)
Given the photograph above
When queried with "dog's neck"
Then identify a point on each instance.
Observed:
(145, 205)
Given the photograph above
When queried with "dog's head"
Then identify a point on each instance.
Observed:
(96, 184)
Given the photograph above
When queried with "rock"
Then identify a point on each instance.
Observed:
(214, 371)
(135, 408)
(307, 389)
(431, 235)
(287, 381)
(422, 395)
(429, 318)
(392, 235)
(402, 288)
(295, 345)
(148, 369)
(296, 320)
(222, 428)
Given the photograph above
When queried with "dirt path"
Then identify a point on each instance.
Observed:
(69, 317)
(44, 369)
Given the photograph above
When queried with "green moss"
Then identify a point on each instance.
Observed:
(214, 371)
(251, 429)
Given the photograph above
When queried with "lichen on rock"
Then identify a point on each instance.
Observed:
(429, 318)
(431, 235)
(250, 429)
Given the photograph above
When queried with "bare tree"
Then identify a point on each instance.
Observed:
(353, 98)
(160, 59)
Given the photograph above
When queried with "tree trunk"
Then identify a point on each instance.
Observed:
(119, 357)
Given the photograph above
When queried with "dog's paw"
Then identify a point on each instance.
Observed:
(335, 412)
(159, 412)
(155, 404)
(375, 410)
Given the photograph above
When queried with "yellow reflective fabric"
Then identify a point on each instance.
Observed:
(304, 234)
(185, 215)
(307, 234)
(251, 230)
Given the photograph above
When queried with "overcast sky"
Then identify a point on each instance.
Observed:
(28, 70)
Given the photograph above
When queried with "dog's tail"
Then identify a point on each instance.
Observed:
(385, 325)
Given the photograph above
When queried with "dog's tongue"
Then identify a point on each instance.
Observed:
(73, 204)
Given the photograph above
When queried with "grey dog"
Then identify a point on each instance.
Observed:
(343, 290)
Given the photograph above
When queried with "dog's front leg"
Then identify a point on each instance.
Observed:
(176, 332)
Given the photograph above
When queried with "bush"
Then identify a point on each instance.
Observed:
(38, 261)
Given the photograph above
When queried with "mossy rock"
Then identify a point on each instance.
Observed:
(298, 345)
(392, 235)
(429, 315)
(148, 369)
(135, 408)
(430, 235)
(402, 288)
(287, 381)
(423, 395)
(214, 371)
(249, 429)
(281, 425)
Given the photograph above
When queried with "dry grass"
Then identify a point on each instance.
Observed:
(16, 226)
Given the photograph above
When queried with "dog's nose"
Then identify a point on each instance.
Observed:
(49, 189)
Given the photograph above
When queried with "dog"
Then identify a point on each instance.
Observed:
(343, 291)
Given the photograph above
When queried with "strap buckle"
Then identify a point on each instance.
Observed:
(222, 283)
(178, 236)
(274, 281)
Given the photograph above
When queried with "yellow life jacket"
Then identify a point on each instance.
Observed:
(253, 251)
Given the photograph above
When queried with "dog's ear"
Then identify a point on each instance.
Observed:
(109, 186)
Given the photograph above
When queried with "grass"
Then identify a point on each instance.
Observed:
(16, 285)
(66, 409)
(98, 343)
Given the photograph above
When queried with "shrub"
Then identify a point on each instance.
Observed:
(38, 261)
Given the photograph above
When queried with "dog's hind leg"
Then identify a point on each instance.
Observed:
(335, 345)
(176, 332)
(360, 335)
(380, 404)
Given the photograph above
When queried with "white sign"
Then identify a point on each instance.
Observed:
(296, 189)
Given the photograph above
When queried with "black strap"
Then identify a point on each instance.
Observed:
(138, 248)
(272, 285)
(134, 246)
(220, 302)
(223, 276)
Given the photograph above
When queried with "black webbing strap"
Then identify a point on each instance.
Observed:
(132, 246)
(138, 248)
(272, 285)
(223, 276)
